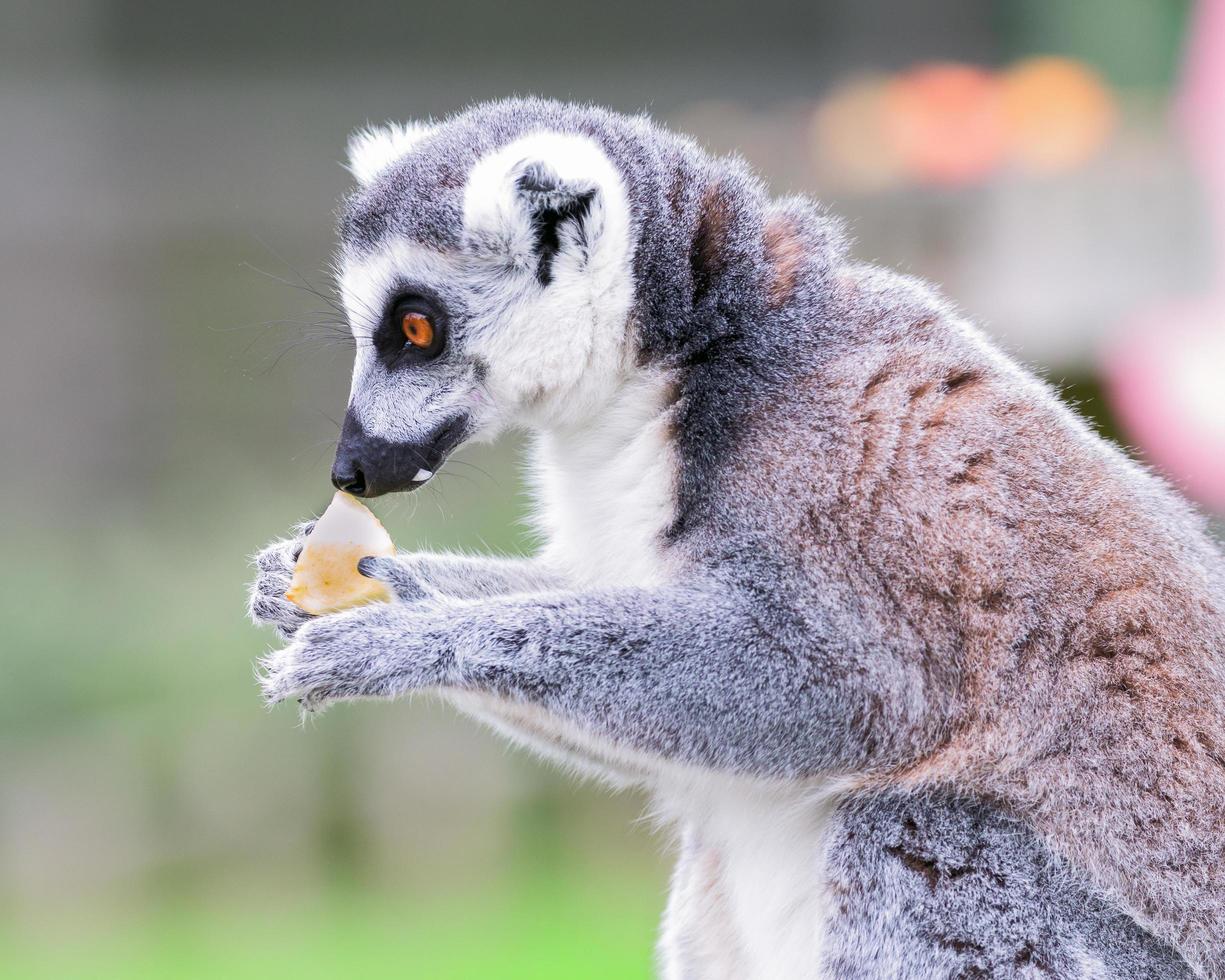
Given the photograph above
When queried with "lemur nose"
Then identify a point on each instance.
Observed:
(350, 479)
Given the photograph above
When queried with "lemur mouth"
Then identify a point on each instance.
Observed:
(438, 449)
(367, 466)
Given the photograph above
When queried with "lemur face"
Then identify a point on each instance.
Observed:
(487, 285)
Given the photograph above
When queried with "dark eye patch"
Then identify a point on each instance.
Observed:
(413, 330)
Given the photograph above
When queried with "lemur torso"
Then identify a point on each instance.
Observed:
(928, 678)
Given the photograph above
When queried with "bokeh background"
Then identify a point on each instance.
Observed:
(170, 382)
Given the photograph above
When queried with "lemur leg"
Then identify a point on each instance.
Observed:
(678, 673)
(462, 576)
(936, 886)
(698, 940)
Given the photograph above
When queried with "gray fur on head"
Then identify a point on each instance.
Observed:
(931, 678)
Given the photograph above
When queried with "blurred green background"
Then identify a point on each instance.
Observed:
(170, 386)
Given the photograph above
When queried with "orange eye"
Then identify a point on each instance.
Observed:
(418, 330)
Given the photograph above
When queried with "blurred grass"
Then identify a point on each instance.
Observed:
(537, 930)
(154, 805)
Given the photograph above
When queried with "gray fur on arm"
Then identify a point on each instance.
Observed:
(461, 576)
(678, 673)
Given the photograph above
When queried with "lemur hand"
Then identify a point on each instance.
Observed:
(379, 650)
(267, 605)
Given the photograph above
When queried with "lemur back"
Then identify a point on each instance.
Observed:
(929, 678)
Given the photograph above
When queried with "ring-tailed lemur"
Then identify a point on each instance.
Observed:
(930, 677)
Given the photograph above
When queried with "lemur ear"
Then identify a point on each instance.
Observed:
(560, 212)
(546, 204)
(373, 149)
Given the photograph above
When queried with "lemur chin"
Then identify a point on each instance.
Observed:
(930, 679)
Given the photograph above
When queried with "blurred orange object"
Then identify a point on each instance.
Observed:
(944, 122)
(1057, 113)
(849, 141)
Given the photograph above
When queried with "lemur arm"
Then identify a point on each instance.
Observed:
(411, 575)
(462, 576)
(678, 673)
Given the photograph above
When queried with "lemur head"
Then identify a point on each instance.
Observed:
(486, 270)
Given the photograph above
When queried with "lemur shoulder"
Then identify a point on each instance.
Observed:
(930, 678)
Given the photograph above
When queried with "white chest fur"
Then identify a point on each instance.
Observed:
(749, 900)
(604, 495)
(606, 489)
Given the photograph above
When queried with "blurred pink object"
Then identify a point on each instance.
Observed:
(1167, 384)
(1166, 376)
(944, 122)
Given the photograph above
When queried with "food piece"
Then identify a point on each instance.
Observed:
(325, 578)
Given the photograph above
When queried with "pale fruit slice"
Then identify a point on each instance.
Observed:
(326, 579)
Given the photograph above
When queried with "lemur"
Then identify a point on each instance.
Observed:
(929, 678)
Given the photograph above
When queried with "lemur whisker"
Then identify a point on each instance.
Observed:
(303, 283)
(304, 344)
(329, 418)
(482, 471)
(317, 447)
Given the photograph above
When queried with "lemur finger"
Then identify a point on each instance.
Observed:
(397, 573)
(277, 557)
(283, 554)
(267, 602)
(272, 583)
(301, 533)
(282, 615)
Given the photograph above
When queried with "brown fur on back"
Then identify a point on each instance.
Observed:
(784, 254)
(1065, 605)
